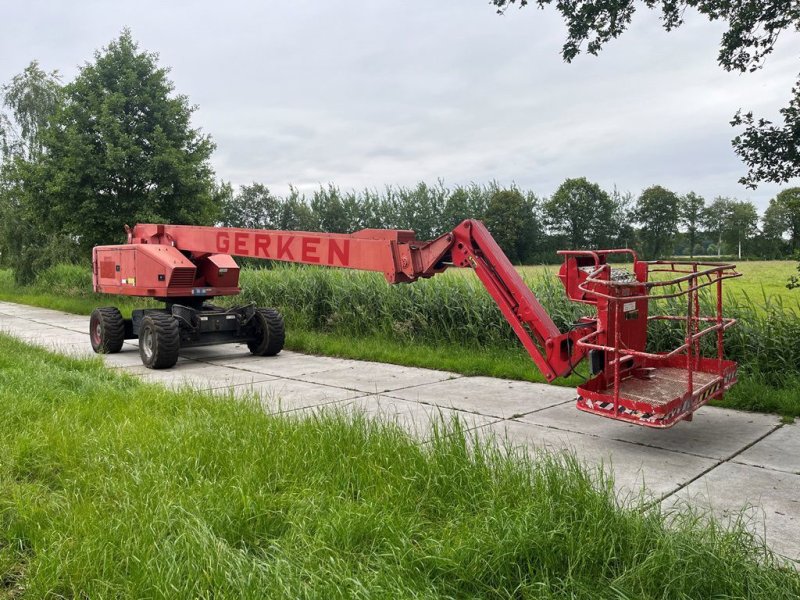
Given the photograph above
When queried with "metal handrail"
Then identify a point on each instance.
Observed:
(726, 323)
(648, 285)
(599, 281)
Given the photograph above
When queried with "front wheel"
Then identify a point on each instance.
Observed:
(106, 330)
(270, 333)
(159, 341)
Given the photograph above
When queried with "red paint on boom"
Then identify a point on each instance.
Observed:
(284, 252)
(262, 245)
(342, 253)
(308, 250)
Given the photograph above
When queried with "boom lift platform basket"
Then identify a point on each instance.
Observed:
(629, 383)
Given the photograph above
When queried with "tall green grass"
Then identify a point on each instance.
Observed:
(457, 310)
(454, 312)
(110, 488)
(67, 288)
(450, 322)
(763, 341)
(439, 310)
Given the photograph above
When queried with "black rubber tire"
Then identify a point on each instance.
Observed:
(159, 340)
(106, 330)
(270, 331)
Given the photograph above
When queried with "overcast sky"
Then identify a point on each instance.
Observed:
(372, 92)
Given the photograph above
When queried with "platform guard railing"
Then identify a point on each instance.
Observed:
(690, 277)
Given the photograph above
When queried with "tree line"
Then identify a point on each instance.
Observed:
(580, 214)
(115, 146)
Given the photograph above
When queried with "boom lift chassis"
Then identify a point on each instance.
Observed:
(186, 266)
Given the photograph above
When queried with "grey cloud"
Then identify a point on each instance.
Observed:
(364, 93)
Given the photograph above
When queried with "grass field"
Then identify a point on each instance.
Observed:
(766, 278)
(111, 488)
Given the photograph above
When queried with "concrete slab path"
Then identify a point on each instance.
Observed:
(725, 461)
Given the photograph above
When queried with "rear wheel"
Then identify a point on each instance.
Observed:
(270, 333)
(106, 330)
(159, 341)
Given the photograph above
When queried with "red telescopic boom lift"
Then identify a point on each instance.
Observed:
(187, 266)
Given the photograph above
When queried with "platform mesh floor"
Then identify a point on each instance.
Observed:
(666, 384)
